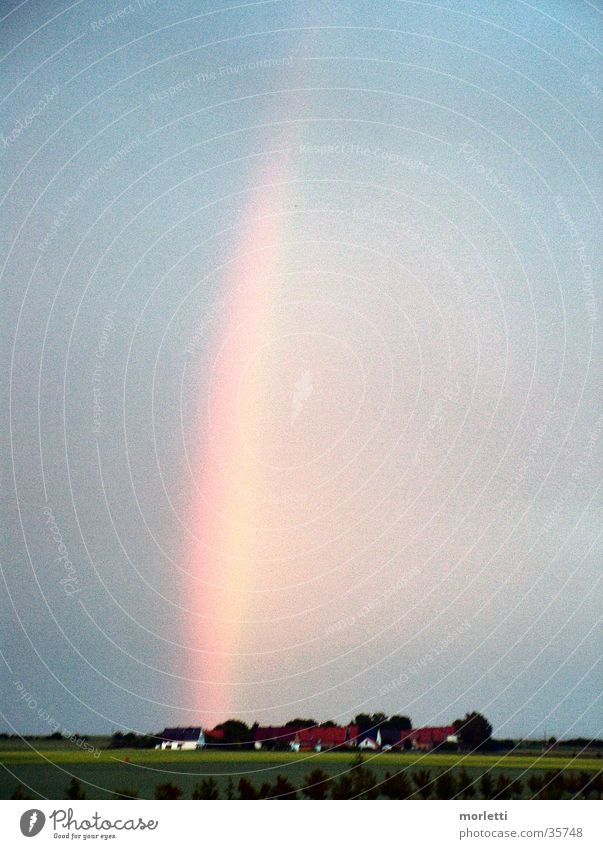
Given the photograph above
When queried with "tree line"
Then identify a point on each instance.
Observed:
(361, 782)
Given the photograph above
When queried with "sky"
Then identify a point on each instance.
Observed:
(301, 354)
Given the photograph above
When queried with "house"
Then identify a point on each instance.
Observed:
(215, 737)
(274, 736)
(370, 739)
(182, 738)
(424, 739)
(302, 738)
(319, 737)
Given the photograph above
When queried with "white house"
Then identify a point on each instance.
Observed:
(182, 738)
(369, 740)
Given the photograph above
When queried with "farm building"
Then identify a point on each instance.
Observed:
(182, 738)
(301, 738)
(324, 737)
(428, 738)
(370, 739)
(274, 736)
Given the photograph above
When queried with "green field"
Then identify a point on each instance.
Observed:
(46, 772)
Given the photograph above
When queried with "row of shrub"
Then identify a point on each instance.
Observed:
(360, 782)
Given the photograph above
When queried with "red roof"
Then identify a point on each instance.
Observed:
(326, 736)
(215, 734)
(276, 733)
(430, 736)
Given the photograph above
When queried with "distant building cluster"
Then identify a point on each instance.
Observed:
(298, 738)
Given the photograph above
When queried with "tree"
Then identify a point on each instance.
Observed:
(396, 786)
(343, 787)
(474, 731)
(503, 787)
(282, 789)
(328, 723)
(236, 732)
(207, 789)
(422, 781)
(486, 786)
(369, 721)
(400, 723)
(363, 721)
(465, 784)
(230, 789)
(316, 785)
(74, 790)
(516, 789)
(247, 790)
(301, 723)
(364, 781)
(582, 785)
(445, 786)
(20, 793)
(534, 786)
(553, 785)
(168, 791)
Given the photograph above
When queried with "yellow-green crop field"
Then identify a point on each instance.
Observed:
(47, 772)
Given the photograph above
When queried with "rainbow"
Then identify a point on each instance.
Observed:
(221, 560)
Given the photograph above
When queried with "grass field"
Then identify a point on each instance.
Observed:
(46, 772)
